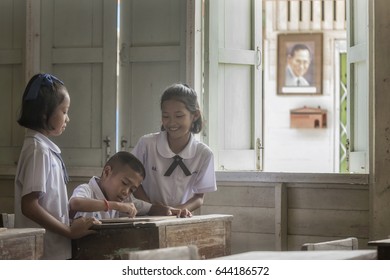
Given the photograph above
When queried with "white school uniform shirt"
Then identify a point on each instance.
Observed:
(92, 190)
(40, 170)
(154, 152)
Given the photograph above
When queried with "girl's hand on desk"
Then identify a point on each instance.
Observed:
(181, 213)
(160, 210)
(80, 227)
(164, 210)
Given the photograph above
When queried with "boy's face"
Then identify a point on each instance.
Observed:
(118, 185)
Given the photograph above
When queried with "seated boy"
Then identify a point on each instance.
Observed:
(108, 196)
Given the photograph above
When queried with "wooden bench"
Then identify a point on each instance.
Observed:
(350, 243)
(173, 253)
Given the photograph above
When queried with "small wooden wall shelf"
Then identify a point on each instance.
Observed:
(307, 117)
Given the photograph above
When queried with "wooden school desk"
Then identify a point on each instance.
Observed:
(210, 233)
(21, 243)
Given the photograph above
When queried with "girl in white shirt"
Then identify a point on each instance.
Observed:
(41, 198)
(179, 168)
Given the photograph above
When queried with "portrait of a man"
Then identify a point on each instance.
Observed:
(299, 63)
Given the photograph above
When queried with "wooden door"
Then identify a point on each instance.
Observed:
(152, 56)
(78, 43)
(12, 34)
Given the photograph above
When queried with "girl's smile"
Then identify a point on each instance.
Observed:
(176, 117)
(177, 121)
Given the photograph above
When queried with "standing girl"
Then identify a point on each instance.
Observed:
(179, 168)
(41, 198)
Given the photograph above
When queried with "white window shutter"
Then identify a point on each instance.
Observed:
(358, 85)
(233, 77)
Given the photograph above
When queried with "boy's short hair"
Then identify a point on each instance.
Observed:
(123, 158)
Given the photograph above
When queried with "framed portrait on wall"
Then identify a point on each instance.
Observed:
(299, 64)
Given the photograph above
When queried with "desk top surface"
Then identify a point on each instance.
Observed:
(14, 232)
(305, 255)
(150, 221)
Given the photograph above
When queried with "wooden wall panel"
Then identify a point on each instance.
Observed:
(319, 207)
(244, 242)
(243, 196)
(338, 223)
(246, 219)
(6, 195)
(328, 198)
